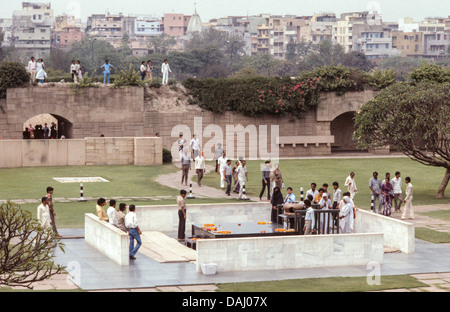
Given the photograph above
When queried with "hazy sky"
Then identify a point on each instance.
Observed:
(391, 10)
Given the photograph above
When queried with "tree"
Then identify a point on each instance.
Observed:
(265, 64)
(125, 45)
(12, 75)
(162, 44)
(27, 250)
(413, 117)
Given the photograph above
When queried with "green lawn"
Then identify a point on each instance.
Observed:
(29, 183)
(300, 173)
(432, 236)
(331, 284)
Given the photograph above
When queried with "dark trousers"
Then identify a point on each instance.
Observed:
(181, 224)
(52, 220)
(265, 184)
(185, 174)
(228, 190)
(199, 176)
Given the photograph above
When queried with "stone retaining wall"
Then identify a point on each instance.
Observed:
(128, 112)
(88, 151)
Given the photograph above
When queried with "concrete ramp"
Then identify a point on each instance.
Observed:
(162, 248)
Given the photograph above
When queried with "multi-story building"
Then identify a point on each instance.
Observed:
(435, 39)
(147, 26)
(319, 28)
(175, 24)
(364, 32)
(31, 29)
(409, 44)
(5, 28)
(274, 35)
(67, 31)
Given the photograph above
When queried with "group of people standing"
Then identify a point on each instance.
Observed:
(76, 71)
(146, 70)
(39, 132)
(36, 70)
(390, 191)
(124, 221)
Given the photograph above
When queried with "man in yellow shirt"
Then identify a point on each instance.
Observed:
(101, 213)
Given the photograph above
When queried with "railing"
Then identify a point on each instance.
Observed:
(326, 220)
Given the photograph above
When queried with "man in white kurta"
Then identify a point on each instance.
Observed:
(351, 185)
(43, 214)
(325, 218)
(165, 70)
(242, 175)
(408, 210)
(222, 162)
(346, 216)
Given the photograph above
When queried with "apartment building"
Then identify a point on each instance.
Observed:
(67, 31)
(31, 30)
(319, 28)
(409, 44)
(175, 24)
(5, 28)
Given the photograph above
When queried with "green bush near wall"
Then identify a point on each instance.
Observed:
(281, 96)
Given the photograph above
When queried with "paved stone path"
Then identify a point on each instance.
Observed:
(173, 180)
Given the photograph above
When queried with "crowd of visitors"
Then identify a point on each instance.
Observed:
(40, 132)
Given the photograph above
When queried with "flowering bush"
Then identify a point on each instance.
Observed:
(281, 96)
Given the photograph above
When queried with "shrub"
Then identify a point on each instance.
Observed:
(167, 156)
(381, 79)
(128, 78)
(257, 96)
(430, 72)
(12, 75)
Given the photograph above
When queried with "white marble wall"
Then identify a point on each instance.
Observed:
(290, 252)
(164, 218)
(397, 234)
(106, 238)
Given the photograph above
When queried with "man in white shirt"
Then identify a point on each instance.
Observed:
(351, 185)
(165, 70)
(397, 186)
(74, 71)
(43, 214)
(200, 167)
(312, 191)
(325, 218)
(143, 70)
(31, 68)
(195, 146)
(222, 161)
(337, 195)
(242, 175)
(111, 212)
(133, 231)
(310, 221)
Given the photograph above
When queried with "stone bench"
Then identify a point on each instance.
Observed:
(305, 140)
